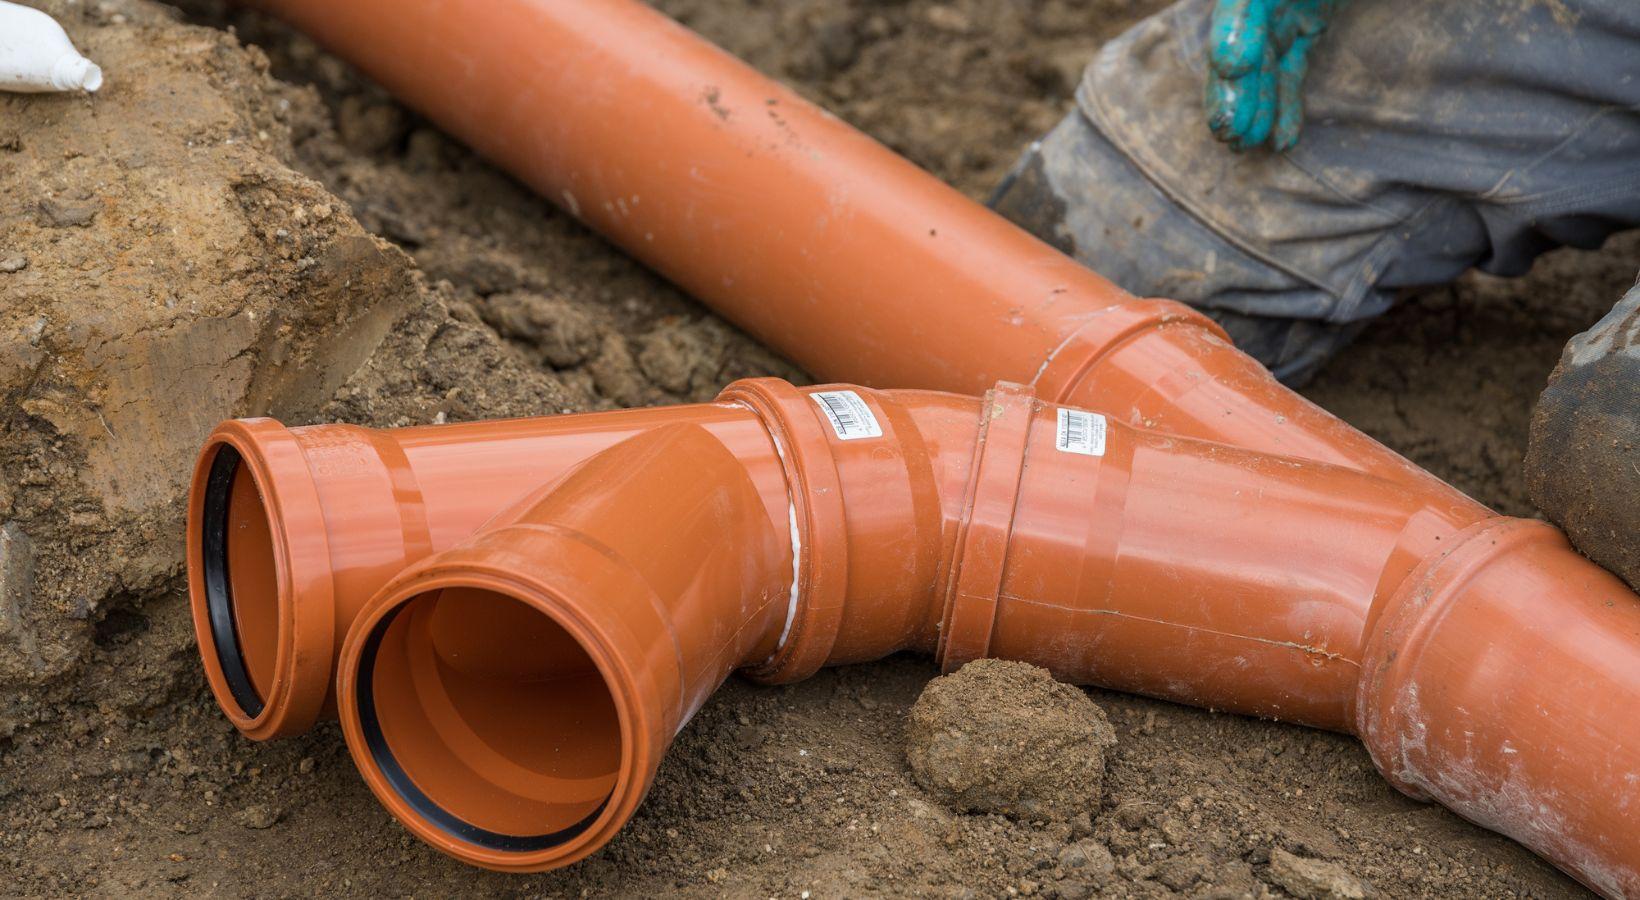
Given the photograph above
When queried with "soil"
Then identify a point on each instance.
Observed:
(999, 736)
(226, 230)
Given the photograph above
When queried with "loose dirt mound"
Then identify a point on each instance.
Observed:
(1004, 737)
(170, 270)
(202, 240)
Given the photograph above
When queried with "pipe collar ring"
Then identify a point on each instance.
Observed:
(821, 539)
(974, 582)
(270, 455)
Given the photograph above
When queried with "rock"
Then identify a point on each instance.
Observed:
(839, 44)
(1313, 879)
(948, 19)
(68, 213)
(1081, 824)
(179, 270)
(750, 737)
(1004, 737)
(1087, 867)
(1087, 858)
(564, 335)
(675, 356)
(615, 373)
(259, 816)
(370, 126)
(1074, 890)
(19, 658)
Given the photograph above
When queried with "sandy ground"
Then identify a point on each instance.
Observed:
(226, 231)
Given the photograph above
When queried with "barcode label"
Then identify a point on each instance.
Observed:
(850, 417)
(1081, 432)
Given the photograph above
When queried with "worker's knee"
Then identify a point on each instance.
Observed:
(1406, 176)
(1074, 190)
(1583, 461)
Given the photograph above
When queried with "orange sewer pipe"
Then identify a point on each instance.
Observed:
(825, 245)
(509, 693)
(835, 251)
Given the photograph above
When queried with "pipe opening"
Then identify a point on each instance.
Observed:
(489, 719)
(241, 580)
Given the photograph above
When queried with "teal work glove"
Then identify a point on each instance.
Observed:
(1258, 51)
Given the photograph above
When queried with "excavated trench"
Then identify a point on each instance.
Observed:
(254, 283)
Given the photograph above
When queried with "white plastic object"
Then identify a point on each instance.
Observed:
(36, 55)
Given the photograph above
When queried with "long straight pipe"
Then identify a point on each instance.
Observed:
(856, 264)
(825, 245)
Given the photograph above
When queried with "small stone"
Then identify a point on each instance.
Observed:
(307, 765)
(839, 44)
(1314, 879)
(16, 262)
(68, 213)
(368, 126)
(1005, 737)
(750, 737)
(565, 336)
(1081, 825)
(1074, 890)
(259, 816)
(949, 19)
(1087, 857)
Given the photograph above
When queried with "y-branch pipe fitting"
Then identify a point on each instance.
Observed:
(509, 693)
(824, 244)
(859, 266)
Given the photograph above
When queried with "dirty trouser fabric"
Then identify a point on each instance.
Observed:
(1583, 461)
(1439, 136)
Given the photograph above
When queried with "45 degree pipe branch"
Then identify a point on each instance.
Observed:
(514, 662)
(828, 247)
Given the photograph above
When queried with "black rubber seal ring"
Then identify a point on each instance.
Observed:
(218, 586)
(424, 805)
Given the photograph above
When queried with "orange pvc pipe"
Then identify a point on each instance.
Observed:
(352, 508)
(821, 242)
(514, 702)
(1490, 669)
(857, 265)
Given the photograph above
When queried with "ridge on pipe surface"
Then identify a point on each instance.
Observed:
(825, 245)
(634, 559)
(858, 265)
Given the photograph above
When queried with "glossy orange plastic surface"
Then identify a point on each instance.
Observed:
(514, 694)
(353, 507)
(751, 533)
(859, 266)
(821, 242)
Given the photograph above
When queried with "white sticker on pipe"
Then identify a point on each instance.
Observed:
(1081, 432)
(849, 415)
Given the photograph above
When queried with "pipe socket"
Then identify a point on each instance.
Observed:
(859, 266)
(824, 244)
(512, 663)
